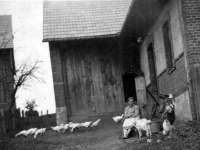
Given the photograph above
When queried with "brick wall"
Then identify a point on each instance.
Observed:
(191, 17)
(57, 74)
(175, 82)
(58, 81)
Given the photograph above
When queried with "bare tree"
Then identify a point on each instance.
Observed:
(24, 75)
(16, 77)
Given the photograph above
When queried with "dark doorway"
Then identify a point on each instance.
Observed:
(129, 86)
(152, 69)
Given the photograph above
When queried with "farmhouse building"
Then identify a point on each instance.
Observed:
(99, 48)
(6, 61)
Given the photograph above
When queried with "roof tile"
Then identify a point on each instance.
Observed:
(83, 19)
(6, 36)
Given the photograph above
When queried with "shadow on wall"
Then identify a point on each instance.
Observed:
(182, 107)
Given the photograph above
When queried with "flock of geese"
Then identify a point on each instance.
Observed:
(70, 126)
(141, 125)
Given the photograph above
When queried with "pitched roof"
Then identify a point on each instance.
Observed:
(6, 36)
(64, 20)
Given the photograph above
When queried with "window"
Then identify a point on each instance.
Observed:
(168, 46)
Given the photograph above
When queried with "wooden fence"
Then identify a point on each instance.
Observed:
(11, 121)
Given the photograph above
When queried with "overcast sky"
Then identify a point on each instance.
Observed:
(27, 28)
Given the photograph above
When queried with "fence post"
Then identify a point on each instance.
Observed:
(3, 121)
(41, 113)
(47, 112)
(22, 113)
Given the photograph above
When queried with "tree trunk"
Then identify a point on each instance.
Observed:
(13, 98)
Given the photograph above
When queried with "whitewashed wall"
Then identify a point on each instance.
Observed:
(156, 32)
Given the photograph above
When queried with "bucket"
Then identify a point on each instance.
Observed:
(156, 126)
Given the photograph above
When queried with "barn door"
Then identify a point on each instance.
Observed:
(140, 86)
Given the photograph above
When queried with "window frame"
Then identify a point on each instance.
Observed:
(168, 45)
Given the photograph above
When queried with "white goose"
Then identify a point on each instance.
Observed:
(118, 118)
(75, 126)
(95, 123)
(24, 132)
(40, 131)
(167, 128)
(57, 128)
(86, 124)
(32, 131)
(66, 127)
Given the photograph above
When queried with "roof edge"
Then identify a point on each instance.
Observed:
(126, 18)
(81, 38)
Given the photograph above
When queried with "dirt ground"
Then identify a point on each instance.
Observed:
(104, 137)
(99, 138)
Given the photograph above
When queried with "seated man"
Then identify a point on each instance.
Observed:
(131, 112)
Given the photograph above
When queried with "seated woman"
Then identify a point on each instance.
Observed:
(131, 111)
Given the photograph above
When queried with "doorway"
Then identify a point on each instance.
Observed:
(129, 86)
(152, 69)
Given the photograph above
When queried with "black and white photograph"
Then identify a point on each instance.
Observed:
(99, 74)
